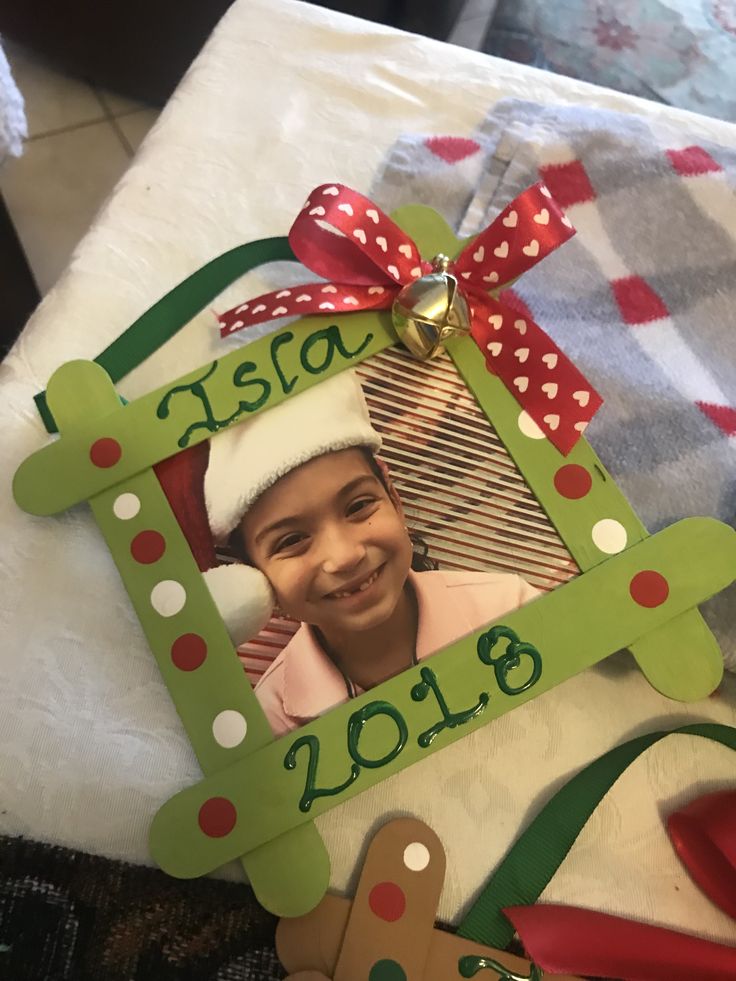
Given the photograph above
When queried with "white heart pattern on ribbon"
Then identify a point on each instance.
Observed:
(528, 230)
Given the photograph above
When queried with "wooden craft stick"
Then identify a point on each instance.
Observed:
(313, 941)
(392, 917)
(349, 941)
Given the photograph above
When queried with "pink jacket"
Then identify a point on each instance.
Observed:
(303, 683)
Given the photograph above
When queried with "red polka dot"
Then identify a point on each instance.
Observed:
(217, 817)
(105, 452)
(188, 652)
(387, 901)
(573, 481)
(148, 546)
(649, 588)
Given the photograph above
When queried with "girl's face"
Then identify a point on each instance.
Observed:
(331, 543)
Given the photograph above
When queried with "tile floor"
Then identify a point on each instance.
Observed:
(81, 140)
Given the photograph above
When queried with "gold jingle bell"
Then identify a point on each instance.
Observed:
(430, 310)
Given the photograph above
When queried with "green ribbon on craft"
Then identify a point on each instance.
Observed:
(534, 858)
(161, 321)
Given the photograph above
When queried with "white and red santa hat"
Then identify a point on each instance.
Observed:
(243, 462)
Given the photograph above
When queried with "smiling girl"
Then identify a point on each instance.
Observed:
(302, 498)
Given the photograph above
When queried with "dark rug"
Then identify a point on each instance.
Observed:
(67, 916)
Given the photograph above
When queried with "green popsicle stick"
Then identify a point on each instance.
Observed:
(194, 408)
(214, 698)
(166, 317)
(571, 628)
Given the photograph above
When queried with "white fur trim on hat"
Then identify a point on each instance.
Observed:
(247, 459)
(244, 598)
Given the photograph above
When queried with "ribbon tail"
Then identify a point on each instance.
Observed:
(525, 232)
(566, 940)
(704, 836)
(310, 298)
(540, 376)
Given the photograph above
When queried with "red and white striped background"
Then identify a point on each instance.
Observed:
(461, 491)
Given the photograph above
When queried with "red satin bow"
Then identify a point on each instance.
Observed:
(563, 939)
(344, 238)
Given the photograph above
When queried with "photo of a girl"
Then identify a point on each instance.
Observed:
(303, 500)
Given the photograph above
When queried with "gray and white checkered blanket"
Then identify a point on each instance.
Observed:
(643, 298)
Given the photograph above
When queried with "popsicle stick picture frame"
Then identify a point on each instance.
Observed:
(478, 479)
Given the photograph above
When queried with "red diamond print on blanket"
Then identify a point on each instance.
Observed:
(637, 301)
(569, 183)
(722, 415)
(451, 149)
(693, 160)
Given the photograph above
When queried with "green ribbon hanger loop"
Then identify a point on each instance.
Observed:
(534, 858)
(161, 321)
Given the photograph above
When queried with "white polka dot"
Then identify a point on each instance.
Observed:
(529, 427)
(126, 506)
(416, 856)
(229, 728)
(168, 597)
(609, 536)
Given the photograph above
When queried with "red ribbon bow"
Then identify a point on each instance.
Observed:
(563, 939)
(371, 259)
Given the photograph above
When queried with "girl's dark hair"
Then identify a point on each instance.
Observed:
(235, 547)
(420, 560)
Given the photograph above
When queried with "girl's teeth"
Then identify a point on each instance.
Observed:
(364, 585)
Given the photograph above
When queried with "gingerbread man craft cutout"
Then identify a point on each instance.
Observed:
(387, 932)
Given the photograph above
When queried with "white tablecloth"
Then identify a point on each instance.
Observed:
(283, 97)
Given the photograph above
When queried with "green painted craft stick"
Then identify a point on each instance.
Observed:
(577, 519)
(360, 743)
(593, 524)
(676, 654)
(192, 409)
(222, 716)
